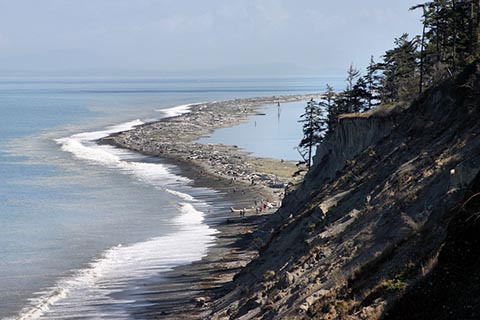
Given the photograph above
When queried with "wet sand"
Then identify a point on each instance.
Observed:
(185, 292)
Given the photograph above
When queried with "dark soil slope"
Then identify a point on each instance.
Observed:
(452, 289)
(377, 216)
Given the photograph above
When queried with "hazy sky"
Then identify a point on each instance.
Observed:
(155, 37)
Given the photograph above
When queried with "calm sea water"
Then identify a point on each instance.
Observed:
(84, 226)
(275, 133)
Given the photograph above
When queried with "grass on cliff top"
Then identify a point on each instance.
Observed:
(282, 169)
(380, 111)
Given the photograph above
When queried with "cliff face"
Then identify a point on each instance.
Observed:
(451, 290)
(353, 134)
(371, 218)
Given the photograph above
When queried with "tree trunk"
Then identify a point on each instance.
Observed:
(310, 143)
(476, 30)
(471, 27)
(422, 51)
(454, 45)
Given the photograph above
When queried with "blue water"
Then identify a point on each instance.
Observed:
(274, 133)
(81, 223)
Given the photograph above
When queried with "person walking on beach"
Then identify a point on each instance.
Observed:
(242, 213)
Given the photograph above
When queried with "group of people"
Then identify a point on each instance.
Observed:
(260, 206)
(264, 205)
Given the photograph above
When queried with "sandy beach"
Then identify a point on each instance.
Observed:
(242, 180)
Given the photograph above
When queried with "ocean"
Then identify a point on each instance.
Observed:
(84, 226)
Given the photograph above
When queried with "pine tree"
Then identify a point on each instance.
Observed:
(360, 96)
(331, 108)
(400, 70)
(449, 39)
(352, 76)
(373, 80)
(329, 95)
(314, 127)
(422, 48)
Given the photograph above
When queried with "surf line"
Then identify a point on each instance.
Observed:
(90, 291)
(190, 243)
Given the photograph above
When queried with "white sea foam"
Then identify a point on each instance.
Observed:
(83, 146)
(178, 110)
(98, 290)
(95, 135)
(89, 291)
(78, 147)
(181, 195)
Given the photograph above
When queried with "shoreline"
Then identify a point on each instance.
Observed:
(173, 139)
(241, 179)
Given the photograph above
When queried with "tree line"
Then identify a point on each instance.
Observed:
(449, 41)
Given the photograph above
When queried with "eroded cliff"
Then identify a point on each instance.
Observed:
(371, 218)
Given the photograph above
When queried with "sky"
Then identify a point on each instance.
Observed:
(181, 37)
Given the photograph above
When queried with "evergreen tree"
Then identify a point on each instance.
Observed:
(331, 108)
(422, 48)
(356, 97)
(449, 39)
(314, 127)
(342, 103)
(373, 80)
(329, 95)
(400, 70)
(353, 75)
(360, 96)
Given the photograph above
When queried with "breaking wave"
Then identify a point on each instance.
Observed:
(111, 282)
(99, 289)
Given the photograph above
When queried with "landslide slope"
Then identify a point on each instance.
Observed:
(371, 218)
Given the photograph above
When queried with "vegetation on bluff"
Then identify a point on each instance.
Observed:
(448, 43)
(384, 225)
